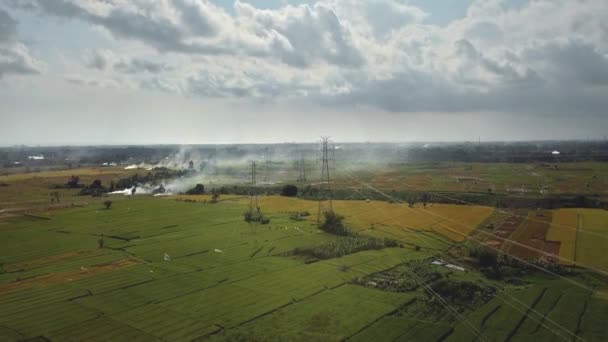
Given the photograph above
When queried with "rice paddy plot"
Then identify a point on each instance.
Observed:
(593, 325)
(100, 330)
(113, 302)
(138, 274)
(395, 327)
(545, 310)
(496, 320)
(563, 229)
(365, 216)
(36, 322)
(34, 298)
(330, 315)
(226, 305)
(583, 234)
(173, 286)
(165, 323)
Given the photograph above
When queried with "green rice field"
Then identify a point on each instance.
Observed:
(184, 271)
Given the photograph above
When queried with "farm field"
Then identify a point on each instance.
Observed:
(549, 310)
(22, 192)
(436, 223)
(296, 170)
(225, 279)
(183, 268)
(217, 265)
(513, 178)
(583, 234)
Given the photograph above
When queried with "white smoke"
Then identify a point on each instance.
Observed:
(143, 189)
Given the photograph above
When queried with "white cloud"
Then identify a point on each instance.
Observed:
(344, 52)
(15, 57)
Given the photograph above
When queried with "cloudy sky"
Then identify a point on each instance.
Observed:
(198, 71)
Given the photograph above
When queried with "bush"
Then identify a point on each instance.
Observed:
(461, 292)
(400, 278)
(487, 258)
(198, 189)
(333, 224)
(295, 216)
(107, 204)
(298, 215)
(96, 184)
(160, 190)
(73, 182)
(289, 191)
(95, 189)
(256, 216)
(215, 197)
(485, 255)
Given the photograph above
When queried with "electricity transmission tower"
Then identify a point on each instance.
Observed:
(301, 168)
(324, 183)
(253, 197)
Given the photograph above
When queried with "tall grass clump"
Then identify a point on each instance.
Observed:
(348, 245)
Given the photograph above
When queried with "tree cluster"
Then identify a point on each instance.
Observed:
(289, 190)
(94, 189)
(199, 189)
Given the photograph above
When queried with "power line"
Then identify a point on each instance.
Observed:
(325, 193)
(475, 240)
(438, 194)
(430, 290)
(510, 304)
(253, 197)
(301, 168)
(441, 300)
(540, 251)
(446, 256)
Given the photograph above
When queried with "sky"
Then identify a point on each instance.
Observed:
(197, 71)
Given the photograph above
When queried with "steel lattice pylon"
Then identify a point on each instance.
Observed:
(325, 194)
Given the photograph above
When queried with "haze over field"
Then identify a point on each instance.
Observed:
(194, 71)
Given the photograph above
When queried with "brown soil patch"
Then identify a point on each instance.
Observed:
(47, 260)
(493, 243)
(506, 229)
(552, 247)
(68, 276)
(7, 216)
(29, 210)
(530, 239)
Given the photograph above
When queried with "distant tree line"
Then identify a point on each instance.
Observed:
(411, 198)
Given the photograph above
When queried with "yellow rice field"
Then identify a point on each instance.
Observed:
(451, 221)
(588, 247)
(561, 230)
